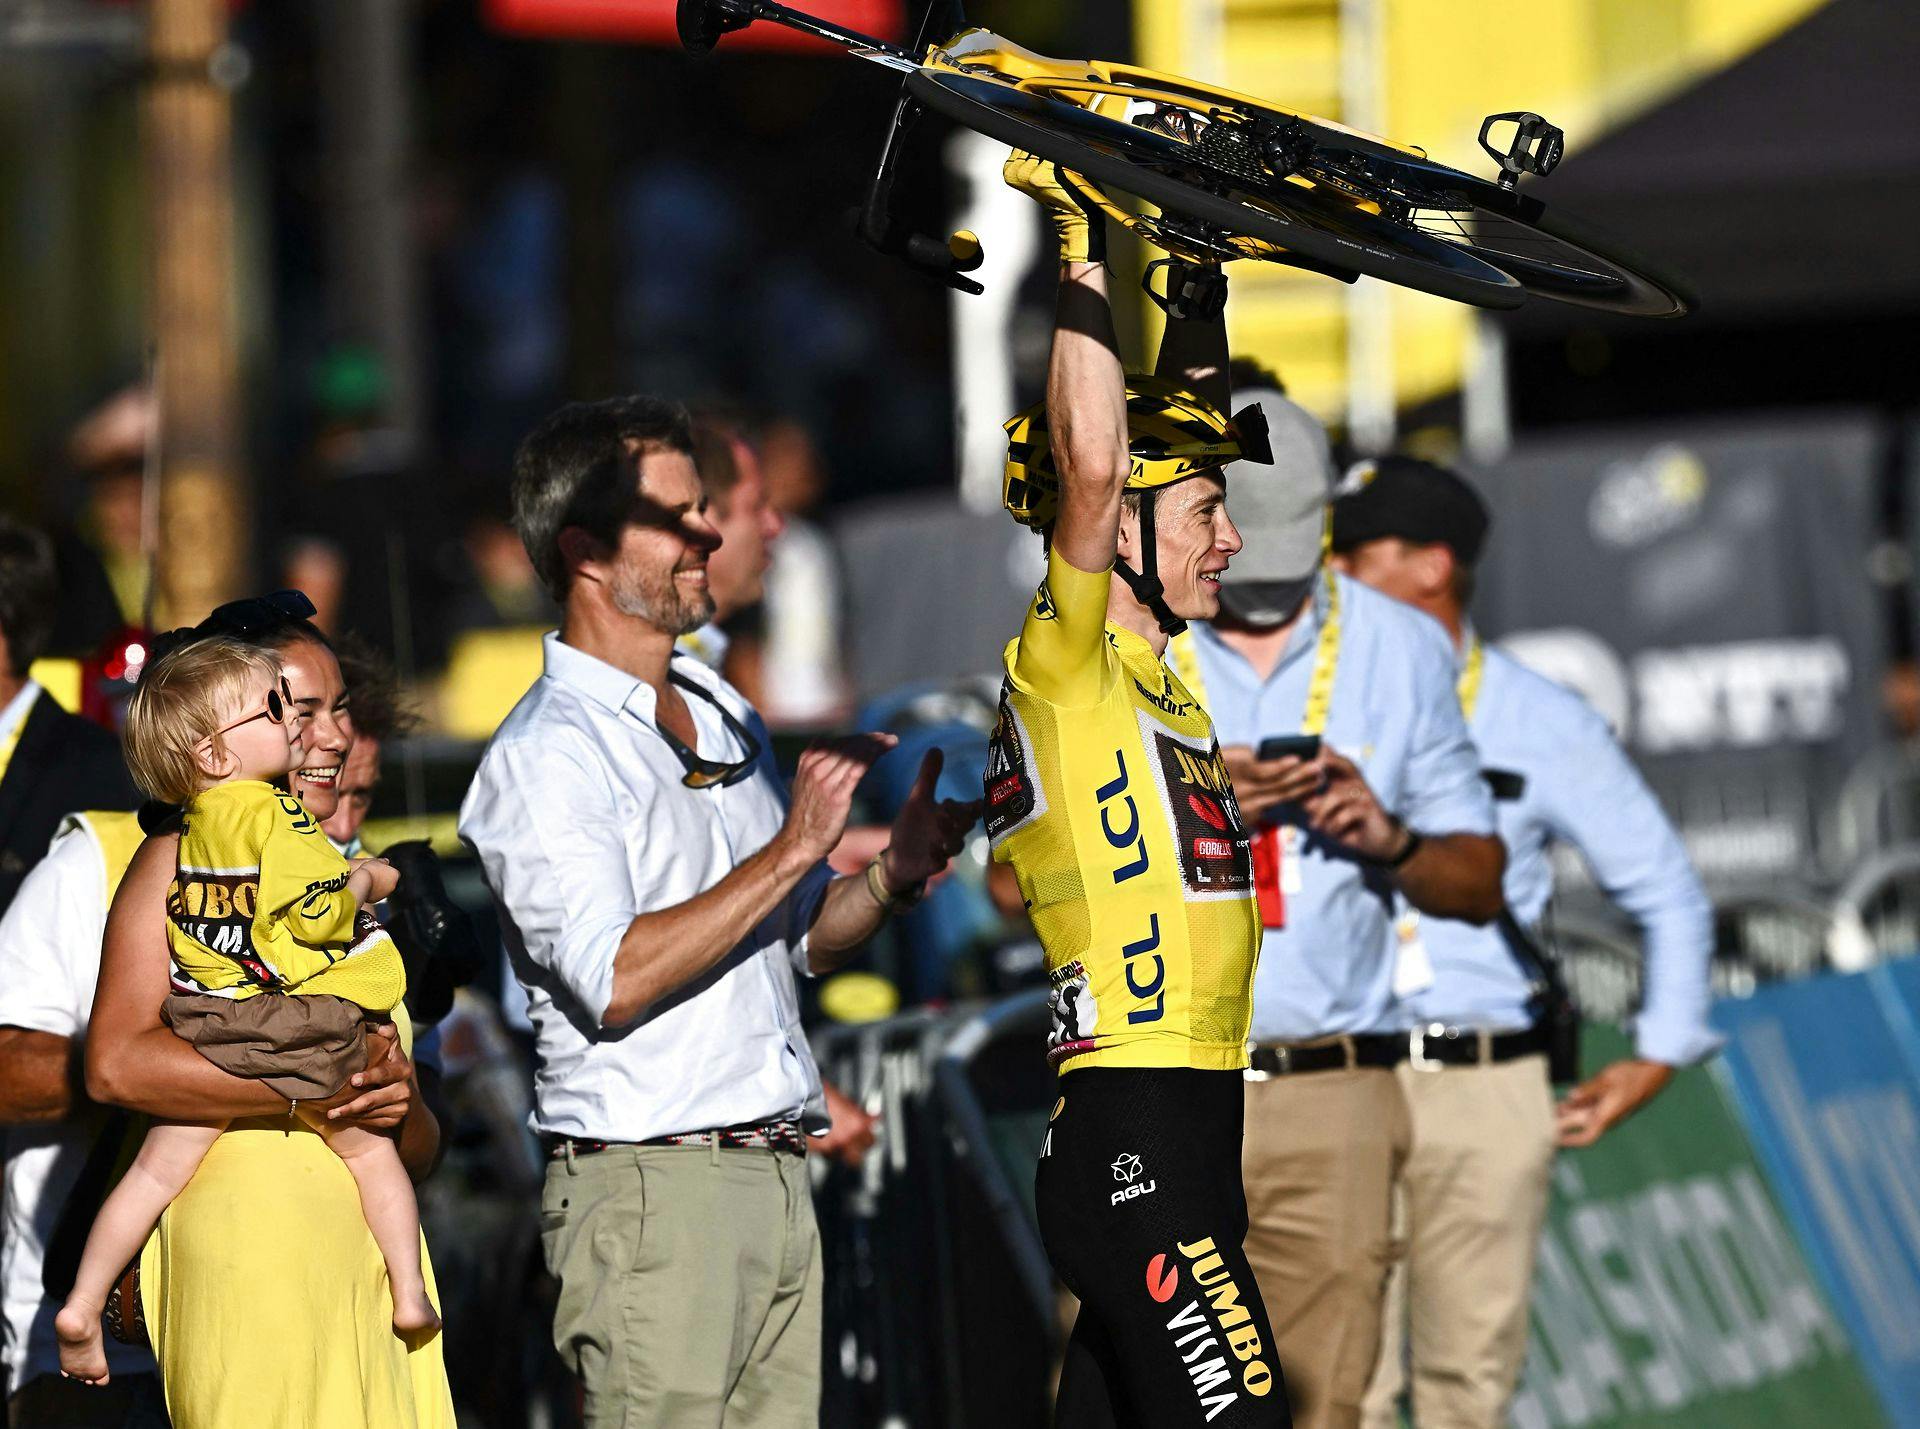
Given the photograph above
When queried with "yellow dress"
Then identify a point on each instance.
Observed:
(267, 1299)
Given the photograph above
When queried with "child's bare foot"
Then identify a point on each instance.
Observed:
(414, 1313)
(83, 1353)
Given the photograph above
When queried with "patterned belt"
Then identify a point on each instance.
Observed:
(768, 1136)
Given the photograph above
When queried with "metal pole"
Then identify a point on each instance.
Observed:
(202, 555)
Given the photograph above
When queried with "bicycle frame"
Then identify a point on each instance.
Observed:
(1212, 143)
(1109, 90)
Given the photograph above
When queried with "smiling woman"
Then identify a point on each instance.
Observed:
(320, 698)
(223, 1250)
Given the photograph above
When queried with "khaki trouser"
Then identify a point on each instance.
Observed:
(1320, 1156)
(689, 1286)
(1472, 1200)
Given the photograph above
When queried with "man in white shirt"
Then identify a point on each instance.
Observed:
(748, 525)
(60, 1150)
(657, 889)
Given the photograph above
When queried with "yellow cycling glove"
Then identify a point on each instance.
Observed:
(1078, 223)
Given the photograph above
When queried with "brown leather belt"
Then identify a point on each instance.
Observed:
(766, 1136)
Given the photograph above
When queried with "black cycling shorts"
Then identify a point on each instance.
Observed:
(1143, 1214)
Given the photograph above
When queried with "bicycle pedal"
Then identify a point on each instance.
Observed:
(1536, 146)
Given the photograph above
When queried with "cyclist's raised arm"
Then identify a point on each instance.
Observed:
(1062, 652)
(1087, 420)
(1193, 350)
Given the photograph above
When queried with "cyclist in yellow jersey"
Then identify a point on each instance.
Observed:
(1107, 795)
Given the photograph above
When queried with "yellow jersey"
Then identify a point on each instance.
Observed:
(259, 903)
(1106, 792)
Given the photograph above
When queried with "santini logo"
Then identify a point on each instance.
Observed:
(1127, 1171)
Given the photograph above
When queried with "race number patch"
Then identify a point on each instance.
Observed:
(1076, 1016)
(1012, 789)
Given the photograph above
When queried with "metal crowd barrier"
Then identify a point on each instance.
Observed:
(940, 1304)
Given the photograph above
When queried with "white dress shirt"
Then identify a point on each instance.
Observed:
(49, 962)
(581, 822)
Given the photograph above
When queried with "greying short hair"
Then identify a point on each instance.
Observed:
(577, 468)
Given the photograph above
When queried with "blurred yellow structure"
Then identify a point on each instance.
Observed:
(1425, 72)
(487, 672)
(59, 678)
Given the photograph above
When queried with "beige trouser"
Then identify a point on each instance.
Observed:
(689, 1286)
(1320, 1155)
(1472, 1200)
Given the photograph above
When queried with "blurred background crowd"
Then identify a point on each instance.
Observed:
(284, 284)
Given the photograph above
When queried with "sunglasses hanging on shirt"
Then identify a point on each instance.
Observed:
(710, 773)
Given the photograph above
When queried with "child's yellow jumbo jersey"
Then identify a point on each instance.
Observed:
(1107, 794)
(259, 903)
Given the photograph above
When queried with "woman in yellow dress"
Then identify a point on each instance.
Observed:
(262, 1288)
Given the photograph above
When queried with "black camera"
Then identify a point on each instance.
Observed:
(434, 934)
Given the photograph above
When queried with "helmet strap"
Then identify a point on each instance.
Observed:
(1145, 582)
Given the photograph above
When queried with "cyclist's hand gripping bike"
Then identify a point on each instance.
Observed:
(1229, 176)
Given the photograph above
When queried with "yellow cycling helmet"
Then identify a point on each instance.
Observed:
(1171, 435)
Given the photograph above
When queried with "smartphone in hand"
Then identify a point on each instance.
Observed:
(1288, 746)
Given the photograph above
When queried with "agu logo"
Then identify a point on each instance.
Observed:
(1127, 1171)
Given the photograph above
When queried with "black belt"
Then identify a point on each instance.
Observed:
(1275, 1059)
(1427, 1049)
(1441, 1046)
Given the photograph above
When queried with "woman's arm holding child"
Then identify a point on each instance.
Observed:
(134, 1060)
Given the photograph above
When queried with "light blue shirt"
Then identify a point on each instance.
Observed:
(1395, 714)
(1582, 788)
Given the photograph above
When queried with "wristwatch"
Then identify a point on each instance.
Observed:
(1407, 850)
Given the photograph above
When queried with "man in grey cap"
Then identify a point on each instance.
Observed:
(1336, 713)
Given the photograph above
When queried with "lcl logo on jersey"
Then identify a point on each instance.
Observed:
(1127, 1170)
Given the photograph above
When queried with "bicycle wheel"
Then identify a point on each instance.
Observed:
(1554, 257)
(1547, 253)
(1158, 168)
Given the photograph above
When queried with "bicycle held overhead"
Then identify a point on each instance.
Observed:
(1230, 176)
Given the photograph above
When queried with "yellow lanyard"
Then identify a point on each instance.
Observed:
(1470, 673)
(1326, 662)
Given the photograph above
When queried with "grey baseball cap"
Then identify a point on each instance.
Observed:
(1280, 509)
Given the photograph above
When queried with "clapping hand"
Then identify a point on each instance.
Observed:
(823, 786)
(927, 832)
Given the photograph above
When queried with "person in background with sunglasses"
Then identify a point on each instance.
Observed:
(658, 886)
(277, 966)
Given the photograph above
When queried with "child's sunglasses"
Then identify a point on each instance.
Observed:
(279, 708)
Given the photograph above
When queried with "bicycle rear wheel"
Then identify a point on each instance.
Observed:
(1156, 167)
(1553, 257)
(1547, 253)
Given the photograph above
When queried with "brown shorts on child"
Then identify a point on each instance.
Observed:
(305, 1048)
